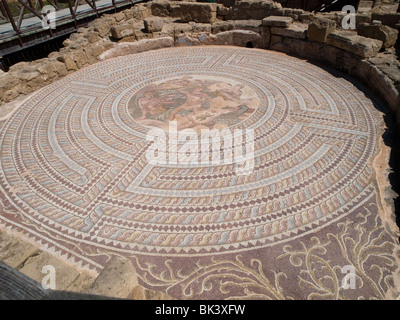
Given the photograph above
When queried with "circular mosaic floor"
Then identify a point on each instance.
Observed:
(75, 176)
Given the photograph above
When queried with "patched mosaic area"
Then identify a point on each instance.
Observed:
(75, 178)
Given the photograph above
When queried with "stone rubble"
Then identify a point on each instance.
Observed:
(320, 28)
(380, 32)
(351, 42)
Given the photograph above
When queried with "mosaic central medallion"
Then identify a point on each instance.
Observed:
(196, 102)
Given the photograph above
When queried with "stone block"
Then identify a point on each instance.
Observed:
(252, 25)
(141, 11)
(10, 95)
(153, 24)
(24, 71)
(7, 81)
(337, 17)
(297, 31)
(389, 19)
(119, 16)
(168, 30)
(381, 32)
(14, 251)
(224, 13)
(221, 26)
(184, 40)
(94, 50)
(92, 36)
(254, 9)
(182, 28)
(78, 43)
(246, 38)
(80, 58)
(109, 19)
(291, 12)
(38, 82)
(351, 42)
(194, 11)
(319, 29)
(277, 21)
(27, 75)
(101, 27)
(48, 68)
(241, 38)
(306, 17)
(60, 68)
(363, 18)
(68, 61)
(128, 14)
(222, 38)
(117, 279)
(161, 8)
(122, 31)
(201, 27)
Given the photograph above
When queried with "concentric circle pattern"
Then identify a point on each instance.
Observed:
(75, 175)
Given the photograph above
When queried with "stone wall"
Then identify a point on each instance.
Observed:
(367, 53)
